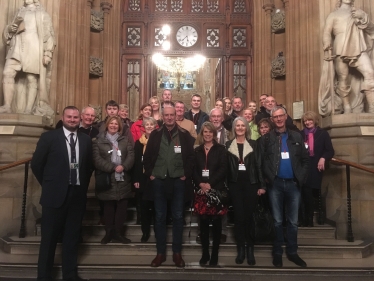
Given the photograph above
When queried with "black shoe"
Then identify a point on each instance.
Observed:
(250, 256)
(118, 238)
(214, 258)
(204, 259)
(145, 238)
(296, 260)
(223, 238)
(277, 261)
(198, 239)
(241, 255)
(77, 278)
(107, 238)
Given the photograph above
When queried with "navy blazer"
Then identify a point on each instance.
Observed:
(50, 165)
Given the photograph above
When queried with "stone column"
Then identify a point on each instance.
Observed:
(111, 49)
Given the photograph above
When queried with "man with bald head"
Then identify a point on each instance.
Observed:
(87, 118)
(269, 104)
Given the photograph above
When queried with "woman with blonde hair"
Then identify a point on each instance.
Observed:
(156, 109)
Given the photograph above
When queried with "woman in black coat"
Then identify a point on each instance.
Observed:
(141, 181)
(209, 177)
(320, 148)
(244, 187)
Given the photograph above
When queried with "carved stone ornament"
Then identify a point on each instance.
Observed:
(278, 21)
(96, 66)
(97, 20)
(278, 66)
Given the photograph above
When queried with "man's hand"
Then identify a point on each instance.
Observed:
(183, 178)
(136, 184)
(261, 191)
(152, 178)
(327, 46)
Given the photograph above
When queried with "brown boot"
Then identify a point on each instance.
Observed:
(158, 260)
(177, 259)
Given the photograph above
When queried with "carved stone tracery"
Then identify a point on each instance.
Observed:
(212, 6)
(96, 66)
(239, 6)
(176, 6)
(278, 66)
(212, 40)
(133, 36)
(197, 6)
(160, 37)
(278, 21)
(97, 20)
(161, 5)
(134, 5)
(106, 7)
(240, 37)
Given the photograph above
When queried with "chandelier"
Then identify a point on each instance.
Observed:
(178, 64)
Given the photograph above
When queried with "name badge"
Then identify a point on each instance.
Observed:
(306, 145)
(110, 151)
(195, 127)
(74, 166)
(119, 153)
(177, 149)
(242, 167)
(205, 173)
(285, 155)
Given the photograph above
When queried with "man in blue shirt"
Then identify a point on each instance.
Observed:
(283, 163)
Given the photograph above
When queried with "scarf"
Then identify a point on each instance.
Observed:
(113, 139)
(143, 140)
(309, 138)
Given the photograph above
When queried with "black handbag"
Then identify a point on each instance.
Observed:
(263, 229)
(102, 182)
(223, 196)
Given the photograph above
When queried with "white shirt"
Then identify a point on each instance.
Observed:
(67, 141)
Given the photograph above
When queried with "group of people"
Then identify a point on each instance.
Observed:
(169, 157)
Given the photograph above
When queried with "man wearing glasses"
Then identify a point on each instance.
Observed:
(283, 163)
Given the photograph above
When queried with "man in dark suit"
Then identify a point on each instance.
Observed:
(62, 164)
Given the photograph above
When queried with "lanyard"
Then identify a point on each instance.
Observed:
(75, 142)
(171, 138)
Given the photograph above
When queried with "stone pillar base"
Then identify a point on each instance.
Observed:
(19, 134)
(353, 140)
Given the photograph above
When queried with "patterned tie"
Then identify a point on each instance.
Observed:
(73, 159)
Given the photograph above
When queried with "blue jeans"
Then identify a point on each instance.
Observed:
(177, 208)
(285, 193)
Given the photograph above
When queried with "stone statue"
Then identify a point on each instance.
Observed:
(348, 41)
(31, 39)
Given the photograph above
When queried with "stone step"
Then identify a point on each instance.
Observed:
(320, 249)
(133, 268)
(317, 232)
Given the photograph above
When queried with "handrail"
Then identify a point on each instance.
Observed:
(22, 231)
(348, 165)
(338, 161)
(15, 164)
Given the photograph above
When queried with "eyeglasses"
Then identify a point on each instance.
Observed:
(278, 116)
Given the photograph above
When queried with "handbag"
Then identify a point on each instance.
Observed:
(102, 182)
(223, 196)
(263, 229)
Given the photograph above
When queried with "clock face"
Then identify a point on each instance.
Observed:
(187, 36)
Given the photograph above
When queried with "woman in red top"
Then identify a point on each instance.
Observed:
(137, 129)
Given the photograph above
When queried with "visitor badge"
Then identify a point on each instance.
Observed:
(177, 149)
(119, 154)
(206, 173)
(306, 145)
(242, 167)
(110, 151)
(74, 166)
(195, 127)
(285, 155)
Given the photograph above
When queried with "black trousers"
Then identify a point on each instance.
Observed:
(67, 218)
(244, 200)
(115, 213)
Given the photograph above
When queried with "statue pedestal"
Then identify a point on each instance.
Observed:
(19, 134)
(353, 138)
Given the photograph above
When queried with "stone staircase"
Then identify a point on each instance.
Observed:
(326, 256)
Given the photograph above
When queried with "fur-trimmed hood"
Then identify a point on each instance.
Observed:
(233, 148)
